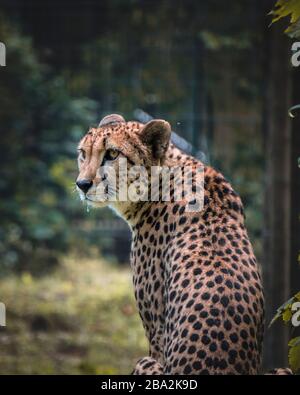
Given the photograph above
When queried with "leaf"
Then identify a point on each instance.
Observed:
(294, 29)
(294, 342)
(284, 311)
(297, 297)
(287, 315)
(280, 311)
(294, 354)
(284, 8)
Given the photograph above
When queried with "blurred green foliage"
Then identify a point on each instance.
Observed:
(81, 319)
(58, 82)
(41, 125)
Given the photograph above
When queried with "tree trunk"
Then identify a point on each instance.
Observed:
(295, 188)
(276, 265)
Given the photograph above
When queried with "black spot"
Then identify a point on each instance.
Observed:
(222, 364)
(225, 345)
(194, 337)
(197, 326)
(234, 337)
(192, 318)
(191, 350)
(141, 294)
(205, 340)
(176, 278)
(182, 361)
(228, 283)
(227, 325)
(204, 314)
(147, 316)
(175, 209)
(206, 296)
(224, 301)
(215, 312)
(238, 368)
(185, 283)
(232, 354)
(192, 247)
(231, 311)
(197, 271)
(201, 354)
(210, 322)
(209, 362)
(182, 220)
(187, 369)
(184, 333)
(237, 296)
(184, 297)
(222, 242)
(197, 365)
(182, 349)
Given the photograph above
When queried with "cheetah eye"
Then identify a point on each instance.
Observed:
(81, 154)
(111, 154)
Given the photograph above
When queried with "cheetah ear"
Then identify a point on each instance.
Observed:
(156, 134)
(112, 118)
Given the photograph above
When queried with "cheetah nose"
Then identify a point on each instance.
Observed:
(84, 184)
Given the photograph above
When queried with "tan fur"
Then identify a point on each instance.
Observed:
(197, 282)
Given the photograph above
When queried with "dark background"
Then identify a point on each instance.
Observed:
(224, 81)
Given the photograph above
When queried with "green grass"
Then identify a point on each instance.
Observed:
(80, 319)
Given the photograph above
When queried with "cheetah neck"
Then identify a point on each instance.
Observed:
(132, 212)
(225, 200)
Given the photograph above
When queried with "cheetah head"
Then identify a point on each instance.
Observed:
(111, 155)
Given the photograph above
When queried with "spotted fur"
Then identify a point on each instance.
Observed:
(197, 283)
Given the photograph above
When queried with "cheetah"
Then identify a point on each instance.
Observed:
(196, 280)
